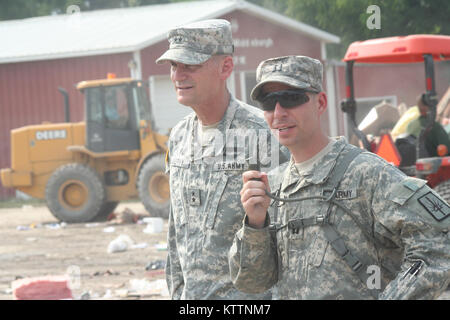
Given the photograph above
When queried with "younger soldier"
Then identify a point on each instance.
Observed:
(347, 225)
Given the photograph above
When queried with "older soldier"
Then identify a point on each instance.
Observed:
(205, 167)
(346, 224)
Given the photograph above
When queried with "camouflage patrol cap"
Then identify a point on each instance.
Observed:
(196, 42)
(296, 71)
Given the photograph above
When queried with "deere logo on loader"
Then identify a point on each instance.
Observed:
(51, 134)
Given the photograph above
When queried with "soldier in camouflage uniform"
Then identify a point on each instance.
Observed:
(206, 164)
(361, 228)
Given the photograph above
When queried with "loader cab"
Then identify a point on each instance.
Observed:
(114, 110)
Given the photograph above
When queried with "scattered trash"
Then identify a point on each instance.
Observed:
(141, 245)
(155, 265)
(106, 273)
(162, 246)
(143, 287)
(35, 226)
(92, 224)
(8, 291)
(122, 293)
(125, 217)
(85, 296)
(154, 225)
(109, 229)
(155, 273)
(42, 288)
(54, 226)
(121, 243)
(108, 294)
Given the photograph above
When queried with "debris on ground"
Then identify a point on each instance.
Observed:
(161, 246)
(141, 245)
(155, 265)
(154, 225)
(42, 288)
(120, 244)
(42, 251)
(92, 224)
(109, 229)
(55, 226)
(85, 296)
(105, 273)
(142, 288)
(127, 216)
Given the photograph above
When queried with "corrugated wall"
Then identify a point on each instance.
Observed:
(29, 94)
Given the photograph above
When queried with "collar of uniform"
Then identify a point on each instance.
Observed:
(224, 124)
(318, 173)
(228, 117)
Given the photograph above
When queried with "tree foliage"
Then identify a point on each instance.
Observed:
(348, 18)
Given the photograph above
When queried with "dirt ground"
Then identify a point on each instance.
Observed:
(34, 244)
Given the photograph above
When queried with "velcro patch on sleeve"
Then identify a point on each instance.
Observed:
(435, 206)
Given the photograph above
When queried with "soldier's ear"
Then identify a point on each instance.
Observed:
(226, 67)
(322, 102)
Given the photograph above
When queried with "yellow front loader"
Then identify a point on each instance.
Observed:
(83, 170)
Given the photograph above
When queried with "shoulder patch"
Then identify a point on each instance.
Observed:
(435, 206)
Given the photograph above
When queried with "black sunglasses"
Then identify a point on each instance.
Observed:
(287, 99)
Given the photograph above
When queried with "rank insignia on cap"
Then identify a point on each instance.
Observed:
(277, 67)
(178, 39)
(435, 206)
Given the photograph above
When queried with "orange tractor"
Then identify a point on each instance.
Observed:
(84, 169)
(408, 49)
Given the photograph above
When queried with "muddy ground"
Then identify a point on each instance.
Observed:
(33, 243)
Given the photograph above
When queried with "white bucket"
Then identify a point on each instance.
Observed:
(154, 225)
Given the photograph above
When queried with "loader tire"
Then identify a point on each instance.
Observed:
(443, 189)
(153, 185)
(75, 193)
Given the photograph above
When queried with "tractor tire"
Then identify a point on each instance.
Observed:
(75, 193)
(443, 189)
(153, 186)
(106, 209)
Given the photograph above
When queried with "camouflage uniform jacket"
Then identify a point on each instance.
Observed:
(206, 210)
(392, 225)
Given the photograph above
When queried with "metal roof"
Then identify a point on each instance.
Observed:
(120, 30)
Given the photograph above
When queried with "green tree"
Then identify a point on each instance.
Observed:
(348, 18)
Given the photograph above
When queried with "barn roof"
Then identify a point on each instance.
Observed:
(121, 30)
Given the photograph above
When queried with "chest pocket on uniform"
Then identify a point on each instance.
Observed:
(225, 211)
(215, 193)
